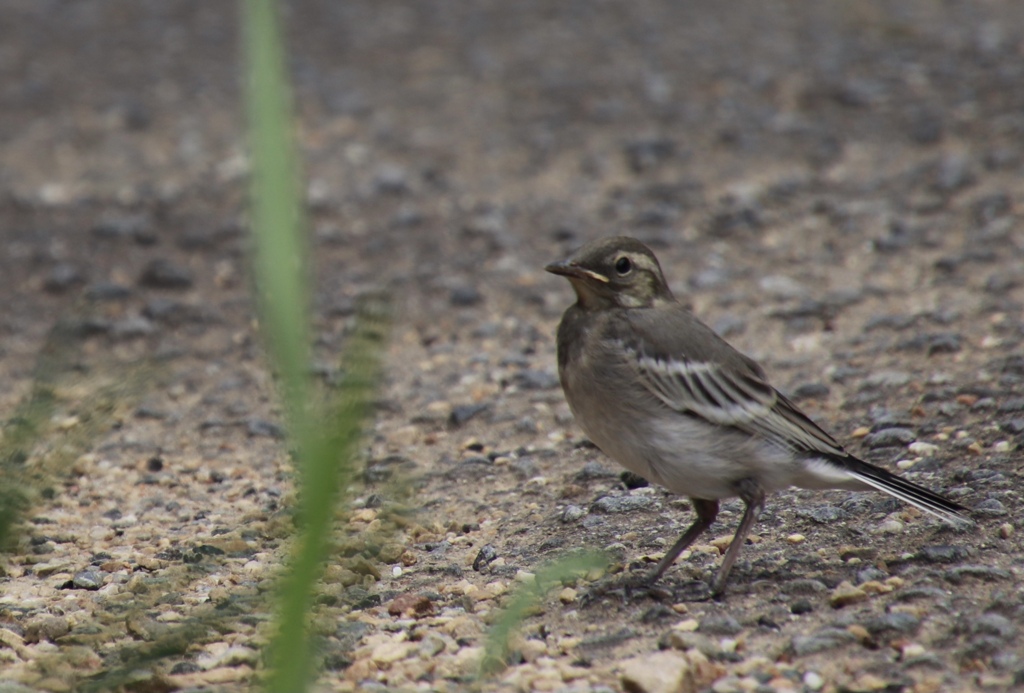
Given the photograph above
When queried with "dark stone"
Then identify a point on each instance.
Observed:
(991, 207)
(991, 508)
(979, 572)
(163, 274)
(464, 412)
(206, 238)
(155, 464)
(945, 343)
(897, 622)
(822, 514)
(132, 327)
(603, 642)
(914, 593)
(391, 180)
(536, 380)
(1000, 283)
(376, 473)
(621, 504)
(484, 556)
(572, 513)
(1013, 426)
(185, 668)
(810, 391)
(730, 325)
(656, 613)
(165, 310)
(1012, 404)
(107, 291)
(939, 343)
(992, 624)
(942, 554)
(719, 625)
(691, 591)
(267, 429)
(632, 481)
(926, 127)
(594, 470)
(953, 173)
(891, 322)
(524, 468)
(116, 228)
(88, 580)
(870, 573)
(648, 153)
(883, 418)
(208, 550)
(890, 437)
(465, 296)
(984, 647)
(801, 606)
(472, 468)
(805, 586)
(822, 641)
(63, 277)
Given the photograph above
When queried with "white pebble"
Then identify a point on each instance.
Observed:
(396, 571)
(919, 447)
(890, 526)
(813, 681)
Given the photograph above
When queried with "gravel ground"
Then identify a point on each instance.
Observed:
(837, 187)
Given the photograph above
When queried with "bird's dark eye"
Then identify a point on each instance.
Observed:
(623, 265)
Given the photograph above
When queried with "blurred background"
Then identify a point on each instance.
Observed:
(834, 185)
(485, 125)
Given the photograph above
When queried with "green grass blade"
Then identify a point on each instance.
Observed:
(324, 438)
(496, 649)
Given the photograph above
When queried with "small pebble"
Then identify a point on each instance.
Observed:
(889, 526)
(88, 580)
(845, 594)
(919, 447)
(622, 504)
(163, 274)
(813, 681)
(890, 437)
(573, 513)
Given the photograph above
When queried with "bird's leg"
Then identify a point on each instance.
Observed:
(706, 511)
(753, 496)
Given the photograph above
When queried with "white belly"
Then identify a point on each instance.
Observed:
(689, 456)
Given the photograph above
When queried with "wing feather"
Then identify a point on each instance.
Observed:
(728, 397)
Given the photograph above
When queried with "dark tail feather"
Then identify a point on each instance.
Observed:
(907, 491)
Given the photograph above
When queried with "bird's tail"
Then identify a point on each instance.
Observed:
(909, 492)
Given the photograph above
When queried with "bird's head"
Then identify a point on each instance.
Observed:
(617, 272)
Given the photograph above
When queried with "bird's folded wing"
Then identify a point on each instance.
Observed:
(731, 397)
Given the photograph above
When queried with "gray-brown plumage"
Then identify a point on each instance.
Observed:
(662, 394)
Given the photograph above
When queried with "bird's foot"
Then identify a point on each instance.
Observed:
(626, 587)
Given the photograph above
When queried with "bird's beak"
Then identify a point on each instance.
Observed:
(574, 271)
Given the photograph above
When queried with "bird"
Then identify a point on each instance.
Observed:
(665, 396)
